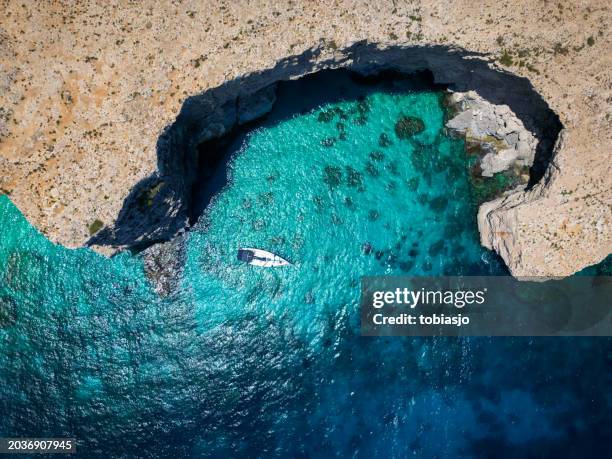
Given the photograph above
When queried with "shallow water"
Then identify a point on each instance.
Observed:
(251, 362)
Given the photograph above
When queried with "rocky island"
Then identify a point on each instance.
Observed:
(102, 107)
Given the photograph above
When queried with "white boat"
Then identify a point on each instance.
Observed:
(259, 257)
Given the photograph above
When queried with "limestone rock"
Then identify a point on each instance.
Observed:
(256, 105)
(493, 163)
(497, 128)
(510, 225)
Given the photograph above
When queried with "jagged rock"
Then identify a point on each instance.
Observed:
(163, 264)
(512, 138)
(501, 133)
(493, 163)
(256, 105)
(524, 151)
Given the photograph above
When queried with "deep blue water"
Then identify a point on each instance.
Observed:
(243, 362)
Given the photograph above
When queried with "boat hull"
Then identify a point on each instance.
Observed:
(261, 258)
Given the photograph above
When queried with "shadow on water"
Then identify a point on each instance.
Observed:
(193, 152)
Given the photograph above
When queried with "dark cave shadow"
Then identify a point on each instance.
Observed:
(162, 205)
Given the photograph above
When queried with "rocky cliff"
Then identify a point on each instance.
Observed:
(101, 106)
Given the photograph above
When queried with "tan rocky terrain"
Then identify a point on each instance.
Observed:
(86, 89)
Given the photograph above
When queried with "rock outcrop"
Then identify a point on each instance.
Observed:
(496, 128)
(163, 264)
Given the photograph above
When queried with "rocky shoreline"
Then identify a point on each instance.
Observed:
(122, 101)
(494, 127)
(500, 134)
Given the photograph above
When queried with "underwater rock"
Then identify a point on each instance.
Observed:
(163, 264)
(363, 106)
(371, 169)
(361, 109)
(318, 202)
(326, 116)
(384, 140)
(8, 311)
(377, 156)
(340, 113)
(265, 199)
(413, 183)
(454, 169)
(354, 178)
(277, 240)
(408, 126)
(436, 248)
(438, 166)
(438, 204)
(332, 176)
(422, 157)
(406, 266)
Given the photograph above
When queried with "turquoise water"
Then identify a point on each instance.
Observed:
(241, 361)
(340, 203)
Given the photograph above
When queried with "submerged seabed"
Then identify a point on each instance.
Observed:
(248, 362)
